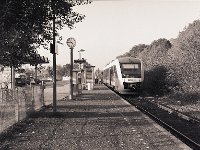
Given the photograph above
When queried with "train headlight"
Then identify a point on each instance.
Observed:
(132, 86)
(125, 75)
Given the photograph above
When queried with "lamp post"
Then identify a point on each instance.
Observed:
(82, 50)
(71, 42)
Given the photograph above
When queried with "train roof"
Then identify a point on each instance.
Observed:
(129, 59)
(123, 60)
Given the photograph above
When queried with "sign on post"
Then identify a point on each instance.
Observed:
(71, 42)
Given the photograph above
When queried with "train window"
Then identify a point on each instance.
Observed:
(130, 66)
(131, 70)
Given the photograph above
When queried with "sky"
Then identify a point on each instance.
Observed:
(112, 27)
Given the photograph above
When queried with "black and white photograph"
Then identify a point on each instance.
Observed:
(100, 75)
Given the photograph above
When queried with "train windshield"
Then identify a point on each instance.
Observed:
(131, 70)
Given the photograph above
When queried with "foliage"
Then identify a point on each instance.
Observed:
(50, 71)
(186, 60)
(66, 70)
(157, 81)
(127, 54)
(59, 71)
(154, 55)
(136, 50)
(173, 65)
(27, 24)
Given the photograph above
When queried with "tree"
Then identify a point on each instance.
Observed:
(186, 55)
(50, 71)
(137, 49)
(66, 70)
(27, 24)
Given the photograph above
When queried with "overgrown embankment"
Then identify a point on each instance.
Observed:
(172, 66)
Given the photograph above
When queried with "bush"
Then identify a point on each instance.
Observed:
(156, 81)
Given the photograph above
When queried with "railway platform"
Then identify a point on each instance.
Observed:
(97, 119)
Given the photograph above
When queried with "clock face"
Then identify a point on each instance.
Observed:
(71, 42)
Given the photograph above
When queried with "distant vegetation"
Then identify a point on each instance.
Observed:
(172, 66)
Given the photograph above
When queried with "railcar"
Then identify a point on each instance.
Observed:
(125, 75)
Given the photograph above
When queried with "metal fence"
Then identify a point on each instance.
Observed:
(16, 104)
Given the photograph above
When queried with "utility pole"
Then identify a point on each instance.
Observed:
(54, 59)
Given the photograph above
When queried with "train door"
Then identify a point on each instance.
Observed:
(115, 75)
(110, 76)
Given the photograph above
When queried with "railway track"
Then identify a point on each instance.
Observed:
(184, 127)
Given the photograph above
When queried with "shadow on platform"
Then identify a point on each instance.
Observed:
(82, 114)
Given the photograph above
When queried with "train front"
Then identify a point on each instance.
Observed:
(132, 75)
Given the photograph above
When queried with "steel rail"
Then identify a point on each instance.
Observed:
(175, 132)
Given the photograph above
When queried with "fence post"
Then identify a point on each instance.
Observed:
(42, 87)
(13, 94)
(33, 98)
